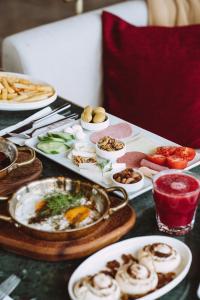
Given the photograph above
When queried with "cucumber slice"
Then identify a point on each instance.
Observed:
(50, 139)
(61, 135)
(52, 147)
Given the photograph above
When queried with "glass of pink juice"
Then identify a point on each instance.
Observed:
(176, 196)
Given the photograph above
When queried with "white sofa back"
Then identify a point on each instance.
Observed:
(68, 53)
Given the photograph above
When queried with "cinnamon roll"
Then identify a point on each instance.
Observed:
(98, 287)
(161, 256)
(135, 279)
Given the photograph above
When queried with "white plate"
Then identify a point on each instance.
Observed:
(98, 261)
(154, 139)
(11, 106)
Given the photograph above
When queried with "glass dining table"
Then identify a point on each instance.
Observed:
(49, 280)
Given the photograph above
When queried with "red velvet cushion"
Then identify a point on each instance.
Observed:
(152, 77)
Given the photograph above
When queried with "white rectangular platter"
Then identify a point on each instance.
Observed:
(141, 140)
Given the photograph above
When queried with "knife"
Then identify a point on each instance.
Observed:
(30, 124)
(7, 298)
(29, 134)
(8, 285)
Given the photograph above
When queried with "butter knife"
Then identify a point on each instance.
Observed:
(30, 124)
(29, 134)
(7, 286)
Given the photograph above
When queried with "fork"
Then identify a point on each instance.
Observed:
(35, 121)
(8, 286)
(58, 123)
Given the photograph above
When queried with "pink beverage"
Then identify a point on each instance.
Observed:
(176, 196)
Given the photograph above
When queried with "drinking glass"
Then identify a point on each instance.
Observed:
(176, 195)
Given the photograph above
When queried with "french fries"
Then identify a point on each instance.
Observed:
(19, 90)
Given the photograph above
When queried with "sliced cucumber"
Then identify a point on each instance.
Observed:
(50, 139)
(52, 147)
(61, 135)
(55, 142)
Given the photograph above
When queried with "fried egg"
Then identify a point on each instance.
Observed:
(75, 217)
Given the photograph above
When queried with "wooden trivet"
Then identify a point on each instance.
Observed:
(110, 231)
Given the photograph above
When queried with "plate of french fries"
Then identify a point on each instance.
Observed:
(22, 92)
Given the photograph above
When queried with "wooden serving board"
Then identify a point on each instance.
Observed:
(20, 176)
(110, 231)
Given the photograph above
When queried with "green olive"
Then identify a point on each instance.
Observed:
(88, 109)
(86, 117)
(99, 109)
(99, 117)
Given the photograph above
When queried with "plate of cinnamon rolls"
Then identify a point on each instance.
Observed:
(142, 268)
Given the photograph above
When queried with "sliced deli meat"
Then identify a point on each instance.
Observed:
(148, 172)
(132, 159)
(151, 165)
(117, 131)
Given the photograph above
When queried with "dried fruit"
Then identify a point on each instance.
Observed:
(127, 176)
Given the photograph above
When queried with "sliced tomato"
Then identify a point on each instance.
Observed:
(176, 162)
(166, 150)
(185, 152)
(157, 159)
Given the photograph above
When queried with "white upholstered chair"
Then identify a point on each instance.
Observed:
(68, 53)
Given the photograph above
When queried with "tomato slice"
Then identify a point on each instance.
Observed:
(176, 162)
(166, 150)
(186, 153)
(157, 159)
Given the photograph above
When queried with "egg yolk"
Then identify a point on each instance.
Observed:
(39, 205)
(77, 214)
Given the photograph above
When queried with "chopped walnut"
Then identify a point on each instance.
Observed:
(81, 159)
(109, 144)
(113, 264)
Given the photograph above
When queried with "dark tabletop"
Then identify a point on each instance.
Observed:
(48, 281)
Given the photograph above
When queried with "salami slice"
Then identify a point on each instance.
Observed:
(117, 131)
(153, 166)
(132, 159)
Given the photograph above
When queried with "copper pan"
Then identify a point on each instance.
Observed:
(11, 151)
(65, 184)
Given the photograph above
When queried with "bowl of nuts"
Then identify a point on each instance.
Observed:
(110, 148)
(130, 179)
(94, 119)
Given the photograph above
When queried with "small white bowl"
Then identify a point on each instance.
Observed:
(95, 126)
(129, 187)
(110, 155)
